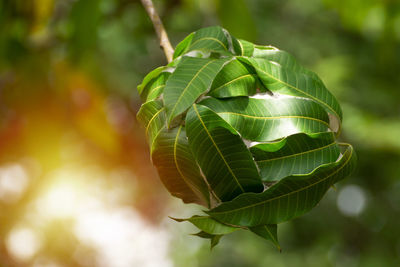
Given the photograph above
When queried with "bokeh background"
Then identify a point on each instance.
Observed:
(76, 184)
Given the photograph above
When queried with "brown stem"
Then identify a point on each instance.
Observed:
(160, 30)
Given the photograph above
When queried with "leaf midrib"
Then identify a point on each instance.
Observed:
(215, 145)
(152, 118)
(274, 117)
(272, 237)
(195, 191)
(290, 193)
(209, 38)
(299, 90)
(232, 81)
(298, 154)
(155, 88)
(187, 86)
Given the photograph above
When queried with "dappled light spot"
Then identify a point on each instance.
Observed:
(45, 263)
(13, 182)
(108, 232)
(351, 200)
(121, 237)
(23, 243)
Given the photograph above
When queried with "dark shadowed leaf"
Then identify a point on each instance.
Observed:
(214, 239)
(268, 232)
(177, 168)
(209, 225)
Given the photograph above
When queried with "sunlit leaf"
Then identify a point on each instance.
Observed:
(287, 81)
(289, 198)
(211, 39)
(296, 154)
(246, 48)
(183, 46)
(260, 142)
(283, 58)
(143, 88)
(152, 116)
(234, 79)
(267, 119)
(155, 87)
(192, 78)
(220, 152)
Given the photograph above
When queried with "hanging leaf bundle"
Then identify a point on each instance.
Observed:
(243, 130)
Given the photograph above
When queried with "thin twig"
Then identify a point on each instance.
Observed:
(160, 30)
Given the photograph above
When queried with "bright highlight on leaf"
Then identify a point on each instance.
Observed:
(243, 130)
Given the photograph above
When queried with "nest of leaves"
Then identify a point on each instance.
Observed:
(243, 130)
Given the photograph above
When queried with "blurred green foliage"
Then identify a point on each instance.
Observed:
(353, 45)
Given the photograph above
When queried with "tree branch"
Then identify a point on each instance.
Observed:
(158, 26)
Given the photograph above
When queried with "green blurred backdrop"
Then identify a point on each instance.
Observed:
(76, 184)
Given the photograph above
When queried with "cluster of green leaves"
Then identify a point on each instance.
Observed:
(243, 130)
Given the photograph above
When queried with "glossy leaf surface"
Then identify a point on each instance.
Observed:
(220, 152)
(287, 81)
(211, 39)
(267, 119)
(152, 116)
(296, 154)
(235, 79)
(192, 78)
(244, 130)
(289, 198)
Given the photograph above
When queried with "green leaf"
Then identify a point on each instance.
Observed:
(279, 79)
(246, 48)
(191, 79)
(283, 58)
(234, 79)
(211, 39)
(209, 225)
(268, 232)
(296, 154)
(214, 239)
(183, 46)
(177, 168)
(155, 87)
(289, 198)
(222, 155)
(270, 118)
(152, 116)
(143, 89)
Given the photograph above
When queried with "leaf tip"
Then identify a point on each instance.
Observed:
(176, 219)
